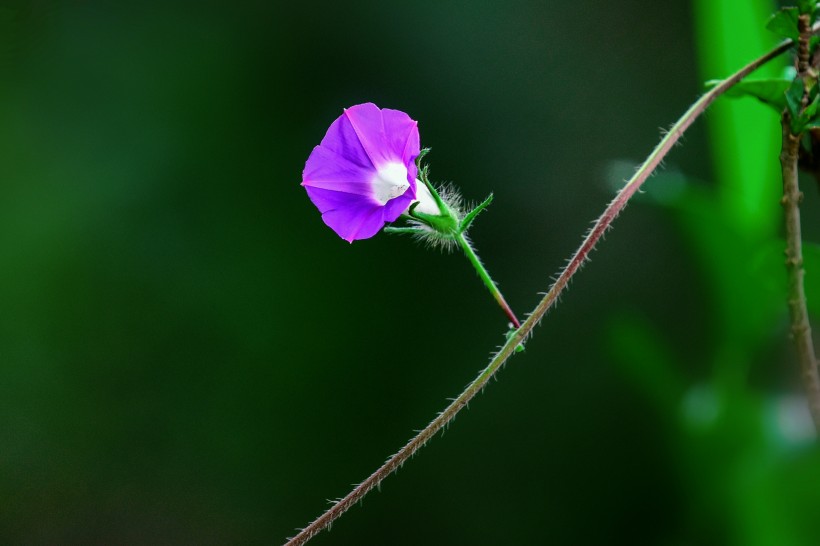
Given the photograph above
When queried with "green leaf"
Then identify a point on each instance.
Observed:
(807, 6)
(810, 113)
(784, 23)
(814, 92)
(770, 92)
(794, 98)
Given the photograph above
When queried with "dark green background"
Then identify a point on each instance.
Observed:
(189, 356)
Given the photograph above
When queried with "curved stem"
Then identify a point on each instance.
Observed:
(485, 277)
(601, 225)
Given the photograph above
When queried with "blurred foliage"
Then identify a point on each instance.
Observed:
(738, 441)
(189, 356)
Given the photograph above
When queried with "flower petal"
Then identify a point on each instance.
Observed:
(343, 139)
(404, 135)
(384, 134)
(363, 173)
(395, 207)
(350, 216)
(330, 170)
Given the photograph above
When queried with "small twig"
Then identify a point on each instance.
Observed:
(798, 312)
(601, 225)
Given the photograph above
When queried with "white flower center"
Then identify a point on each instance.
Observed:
(389, 182)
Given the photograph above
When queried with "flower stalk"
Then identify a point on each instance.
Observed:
(465, 245)
(447, 227)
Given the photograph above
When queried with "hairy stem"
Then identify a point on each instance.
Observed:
(601, 225)
(485, 278)
(798, 312)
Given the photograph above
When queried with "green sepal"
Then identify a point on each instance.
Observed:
(442, 206)
(423, 174)
(784, 23)
(445, 224)
(468, 219)
(770, 92)
(423, 152)
(408, 230)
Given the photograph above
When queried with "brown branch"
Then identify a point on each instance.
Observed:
(792, 196)
(800, 326)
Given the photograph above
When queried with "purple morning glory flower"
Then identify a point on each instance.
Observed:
(363, 174)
